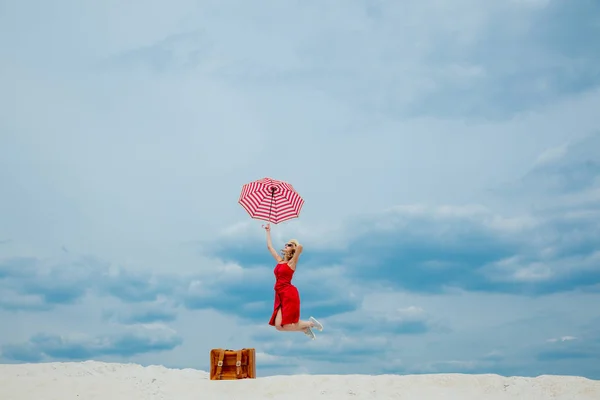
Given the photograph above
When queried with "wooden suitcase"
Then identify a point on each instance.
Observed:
(228, 364)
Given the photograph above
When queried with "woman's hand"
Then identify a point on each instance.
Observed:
(267, 227)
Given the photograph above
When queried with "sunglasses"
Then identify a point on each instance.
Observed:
(288, 245)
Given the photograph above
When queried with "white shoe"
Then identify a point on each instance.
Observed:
(316, 323)
(308, 332)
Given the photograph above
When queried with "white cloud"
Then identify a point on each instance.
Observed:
(562, 339)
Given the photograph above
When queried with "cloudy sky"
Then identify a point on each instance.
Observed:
(448, 154)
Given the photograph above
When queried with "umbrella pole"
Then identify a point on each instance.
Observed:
(271, 205)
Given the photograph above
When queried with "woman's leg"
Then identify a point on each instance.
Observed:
(298, 326)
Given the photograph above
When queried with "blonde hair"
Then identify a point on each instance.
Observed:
(296, 242)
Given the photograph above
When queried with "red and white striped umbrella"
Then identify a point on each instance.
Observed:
(271, 200)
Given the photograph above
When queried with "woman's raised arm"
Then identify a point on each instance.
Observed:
(276, 256)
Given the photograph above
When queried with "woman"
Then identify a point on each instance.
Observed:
(286, 312)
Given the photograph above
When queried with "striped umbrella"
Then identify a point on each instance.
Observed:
(271, 200)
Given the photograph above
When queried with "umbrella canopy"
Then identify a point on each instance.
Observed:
(271, 200)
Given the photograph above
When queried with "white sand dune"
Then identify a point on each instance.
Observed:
(110, 381)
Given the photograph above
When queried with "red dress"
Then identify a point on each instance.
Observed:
(286, 296)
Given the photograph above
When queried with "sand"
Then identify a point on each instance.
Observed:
(112, 381)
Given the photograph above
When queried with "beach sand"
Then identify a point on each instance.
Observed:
(112, 381)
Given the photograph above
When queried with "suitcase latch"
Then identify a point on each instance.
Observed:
(238, 363)
(220, 363)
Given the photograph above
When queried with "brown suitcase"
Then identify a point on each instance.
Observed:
(228, 364)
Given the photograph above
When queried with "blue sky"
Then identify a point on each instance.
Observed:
(448, 155)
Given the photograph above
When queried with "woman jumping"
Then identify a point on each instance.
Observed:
(286, 312)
